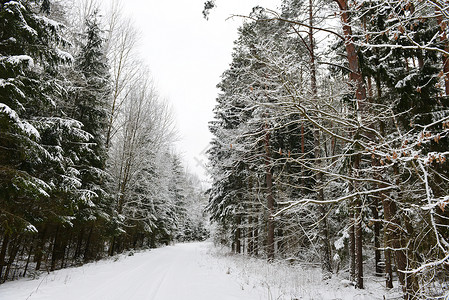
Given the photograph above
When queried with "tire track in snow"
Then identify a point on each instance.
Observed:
(135, 282)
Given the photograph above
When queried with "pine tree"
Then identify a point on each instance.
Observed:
(253, 141)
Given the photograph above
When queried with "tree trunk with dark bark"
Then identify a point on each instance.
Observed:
(238, 235)
(358, 234)
(250, 236)
(28, 260)
(399, 245)
(5, 243)
(87, 250)
(352, 247)
(270, 199)
(55, 251)
(256, 237)
(15, 246)
(351, 54)
(377, 252)
(79, 242)
(356, 80)
(359, 248)
(40, 242)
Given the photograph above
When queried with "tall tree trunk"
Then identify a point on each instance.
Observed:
(153, 240)
(375, 201)
(356, 79)
(28, 260)
(238, 235)
(351, 53)
(386, 208)
(3, 253)
(270, 206)
(392, 238)
(388, 231)
(377, 225)
(250, 237)
(40, 243)
(408, 281)
(79, 243)
(303, 154)
(351, 232)
(87, 250)
(358, 230)
(66, 239)
(352, 246)
(55, 252)
(377, 252)
(359, 246)
(251, 225)
(270, 199)
(256, 236)
(113, 242)
(388, 269)
(12, 256)
(326, 264)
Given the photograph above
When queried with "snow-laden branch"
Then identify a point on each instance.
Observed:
(331, 201)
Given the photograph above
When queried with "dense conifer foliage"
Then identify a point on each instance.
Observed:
(330, 140)
(86, 166)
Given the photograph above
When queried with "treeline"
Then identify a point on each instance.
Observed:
(86, 166)
(331, 140)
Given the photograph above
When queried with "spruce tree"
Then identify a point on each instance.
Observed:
(40, 144)
(30, 114)
(89, 98)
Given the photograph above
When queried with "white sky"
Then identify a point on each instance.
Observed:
(186, 55)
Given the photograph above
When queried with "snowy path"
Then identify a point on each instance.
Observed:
(184, 272)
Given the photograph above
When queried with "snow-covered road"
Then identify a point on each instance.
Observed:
(180, 272)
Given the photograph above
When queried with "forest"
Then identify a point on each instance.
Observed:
(331, 140)
(87, 163)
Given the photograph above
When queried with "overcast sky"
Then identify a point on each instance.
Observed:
(186, 55)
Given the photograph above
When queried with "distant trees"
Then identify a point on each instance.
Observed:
(85, 159)
(343, 136)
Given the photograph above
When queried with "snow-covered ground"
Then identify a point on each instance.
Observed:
(193, 271)
(281, 280)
